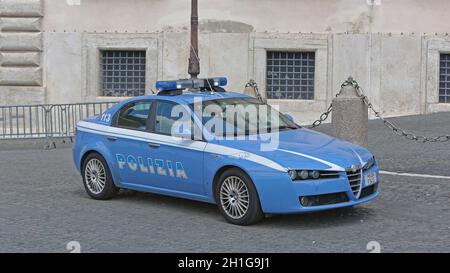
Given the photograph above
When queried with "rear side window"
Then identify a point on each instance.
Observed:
(134, 115)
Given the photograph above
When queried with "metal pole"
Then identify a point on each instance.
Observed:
(194, 65)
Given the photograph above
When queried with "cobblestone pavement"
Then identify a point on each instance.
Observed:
(43, 206)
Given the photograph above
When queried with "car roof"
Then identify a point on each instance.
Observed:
(188, 98)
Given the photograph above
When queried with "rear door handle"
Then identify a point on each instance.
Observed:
(154, 145)
(111, 138)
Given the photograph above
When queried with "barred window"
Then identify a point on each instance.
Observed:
(444, 79)
(123, 73)
(290, 75)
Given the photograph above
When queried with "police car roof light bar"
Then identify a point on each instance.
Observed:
(190, 84)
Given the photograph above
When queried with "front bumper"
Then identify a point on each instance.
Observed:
(280, 195)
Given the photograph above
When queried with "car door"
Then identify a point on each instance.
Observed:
(178, 161)
(128, 143)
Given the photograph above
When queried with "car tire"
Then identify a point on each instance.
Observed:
(237, 198)
(97, 178)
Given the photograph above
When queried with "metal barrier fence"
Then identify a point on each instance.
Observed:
(46, 121)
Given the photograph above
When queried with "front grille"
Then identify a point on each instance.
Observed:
(354, 178)
(323, 199)
(368, 191)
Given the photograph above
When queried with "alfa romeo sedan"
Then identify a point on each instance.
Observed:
(194, 140)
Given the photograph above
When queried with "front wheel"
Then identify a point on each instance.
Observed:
(97, 178)
(237, 198)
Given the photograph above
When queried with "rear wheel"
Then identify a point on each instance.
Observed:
(97, 178)
(237, 198)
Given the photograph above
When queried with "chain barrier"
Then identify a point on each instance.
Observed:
(397, 130)
(254, 85)
(324, 116)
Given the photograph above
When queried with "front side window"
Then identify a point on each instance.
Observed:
(167, 113)
(134, 115)
(123, 73)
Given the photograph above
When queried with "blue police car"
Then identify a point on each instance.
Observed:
(195, 140)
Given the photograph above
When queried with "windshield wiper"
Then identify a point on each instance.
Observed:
(287, 127)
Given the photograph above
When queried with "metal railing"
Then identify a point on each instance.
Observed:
(46, 121)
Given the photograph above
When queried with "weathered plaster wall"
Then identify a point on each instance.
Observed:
(329, 16)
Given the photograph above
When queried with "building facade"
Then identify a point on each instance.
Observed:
(298, 51)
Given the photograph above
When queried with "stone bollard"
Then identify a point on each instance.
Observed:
(350, 117)
(250, 91)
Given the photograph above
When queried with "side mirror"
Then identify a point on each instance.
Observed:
(289, 117)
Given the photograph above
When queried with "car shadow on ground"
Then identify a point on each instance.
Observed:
(321, 219)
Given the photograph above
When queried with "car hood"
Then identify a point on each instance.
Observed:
(302, 149)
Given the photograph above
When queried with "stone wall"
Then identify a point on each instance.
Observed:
(21, 44)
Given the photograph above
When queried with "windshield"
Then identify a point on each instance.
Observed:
(240, 116)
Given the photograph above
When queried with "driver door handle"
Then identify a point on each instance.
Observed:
(153, 145)
(111, 138)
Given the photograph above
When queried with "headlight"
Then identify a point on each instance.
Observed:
(369, 164)
(303, 174)
(312, 174)
(292, 174)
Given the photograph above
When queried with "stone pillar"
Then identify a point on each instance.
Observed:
(350, 116)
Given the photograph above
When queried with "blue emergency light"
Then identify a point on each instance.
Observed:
(191, 84)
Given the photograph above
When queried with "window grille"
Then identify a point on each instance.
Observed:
(290, 75)
(444, 79)
(123, 73)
